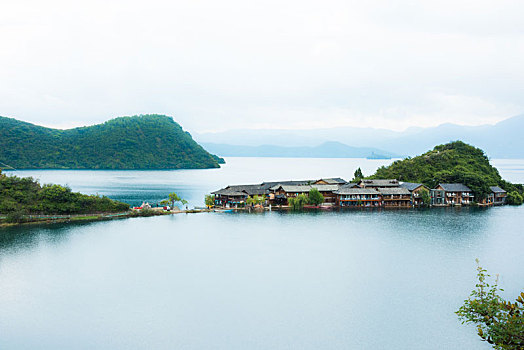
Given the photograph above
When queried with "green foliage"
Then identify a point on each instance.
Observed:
(315, 197)
(173, 198)
(358, 175)
(210, 200)
(143, 212)
(499, 322)
(255, 200)
(454, 162)
(298, 202)
(19, 196)
(425, 197)
(514, 198)
(139, 142)
(16, 216)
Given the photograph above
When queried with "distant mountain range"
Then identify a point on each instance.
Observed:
(502, 140)
(139, 142)
(325, 150)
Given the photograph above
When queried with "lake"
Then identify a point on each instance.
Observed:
(362, 279)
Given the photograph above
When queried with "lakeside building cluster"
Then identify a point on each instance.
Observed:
(338, 193)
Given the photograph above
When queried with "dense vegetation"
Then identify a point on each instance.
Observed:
(454, 162)
(499, 322)
(139, 142)
(21, 196)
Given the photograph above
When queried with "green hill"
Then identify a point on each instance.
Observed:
(455, 162)
(139, 142)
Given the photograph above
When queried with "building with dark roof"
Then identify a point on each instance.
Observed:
(358, 197)
(498, 195)
(451, 194)
(268, 185)
(395, 197)
(230, 198)
(294, 190)
(235, 196)
(416, 190)
(331, 181)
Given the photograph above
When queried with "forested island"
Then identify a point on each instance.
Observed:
(454, 162)
(138, 142)
(453, 174)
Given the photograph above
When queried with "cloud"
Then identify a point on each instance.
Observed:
(294, 64)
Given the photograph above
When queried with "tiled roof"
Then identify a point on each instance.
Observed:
(326, 188)
(496, 189)
(379, 183)
(249, 189)
(350, 185)
(411, 186)
(229, 192)
(358, 190)
(394, 190)
(333, 181)
(455, 187)
(270, 184)
(293, 188)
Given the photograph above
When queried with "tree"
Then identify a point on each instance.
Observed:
(454, 162)
(357, 176)
(255, 200)
(315, 197)
(210, 200)
(173, 198)
(514, 198)
(425, 196)
(298, 202)
(499, 322)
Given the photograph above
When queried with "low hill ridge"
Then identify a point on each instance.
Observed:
(138, 142)
(325, 150)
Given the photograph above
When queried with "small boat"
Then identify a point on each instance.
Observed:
(373, 155)
(223, 210)
(326, 207)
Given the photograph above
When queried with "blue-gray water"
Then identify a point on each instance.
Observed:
(351, 280)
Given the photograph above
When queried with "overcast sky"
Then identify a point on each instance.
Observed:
(218, 65)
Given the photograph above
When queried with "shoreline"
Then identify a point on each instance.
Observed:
(57, 219)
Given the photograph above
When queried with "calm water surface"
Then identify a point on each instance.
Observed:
(350, 280)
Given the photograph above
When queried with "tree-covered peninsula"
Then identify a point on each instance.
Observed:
(454, 162)
(138, 142)
(25, 196)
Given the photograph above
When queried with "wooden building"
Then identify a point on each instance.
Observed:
(498, 195)
(327, 191)
(395, 197)
(451, 194)
(236, 196)
(415, 189)
(229, 198)
(358, 197)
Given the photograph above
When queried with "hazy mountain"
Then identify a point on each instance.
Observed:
(325, 150)
(354, 136)
(502, 140)
(139, 142)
